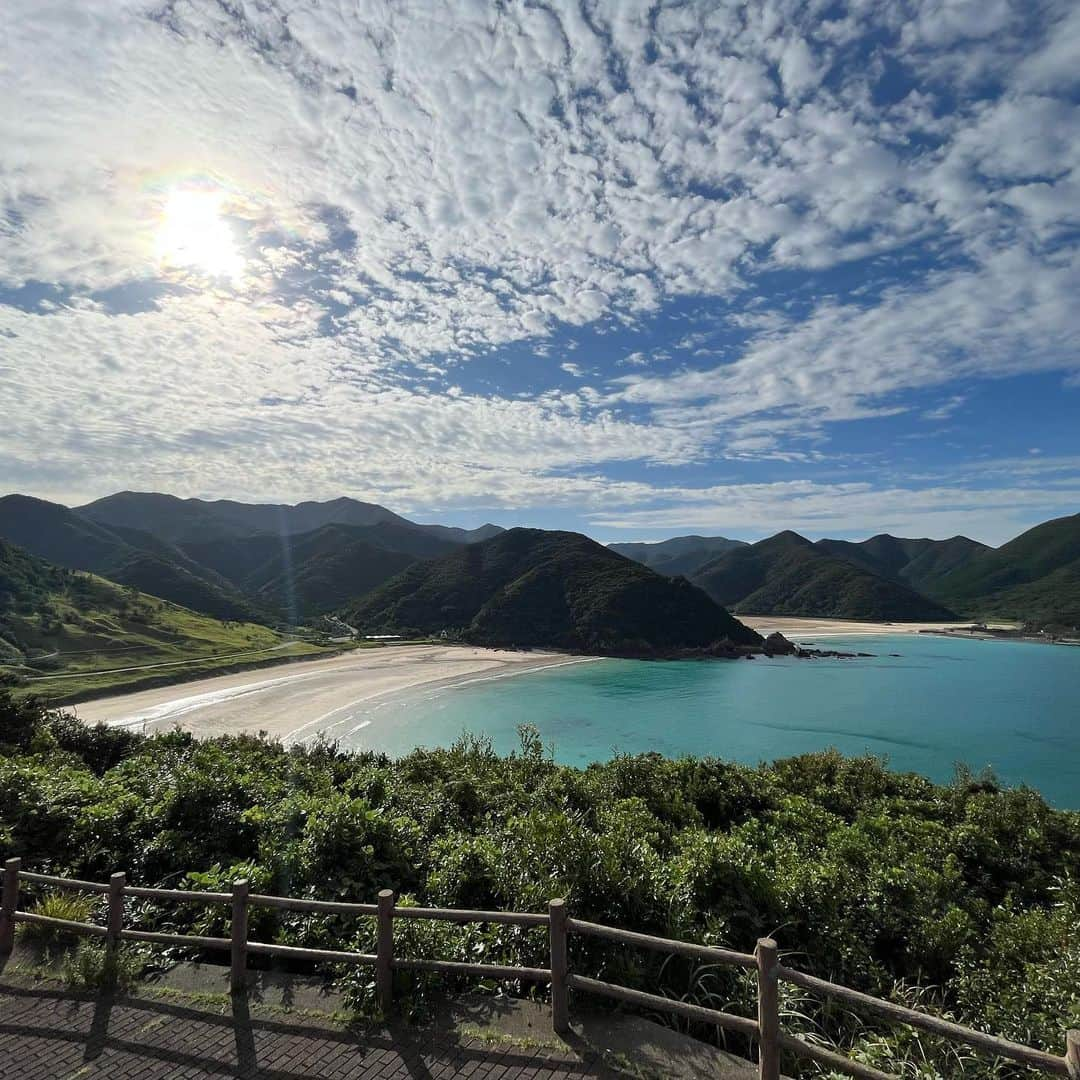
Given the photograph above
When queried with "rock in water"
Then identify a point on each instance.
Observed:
(778, 645)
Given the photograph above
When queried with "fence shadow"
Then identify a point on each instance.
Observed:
(154, 1038)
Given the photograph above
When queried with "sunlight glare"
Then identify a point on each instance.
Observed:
(194, 234)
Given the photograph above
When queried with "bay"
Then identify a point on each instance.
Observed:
(1012, 707)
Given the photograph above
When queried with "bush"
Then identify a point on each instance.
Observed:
(882, 881)
(93, 967)
(72, 907)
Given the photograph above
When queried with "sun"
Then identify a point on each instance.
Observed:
(195, 234)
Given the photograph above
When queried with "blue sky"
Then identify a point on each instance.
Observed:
(634, 269)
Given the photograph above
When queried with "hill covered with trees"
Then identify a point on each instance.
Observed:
(67, 539)
(533, 587)
(681, 555)
(79, 630)
(256, 562)
(789, 575)
(1034, 578)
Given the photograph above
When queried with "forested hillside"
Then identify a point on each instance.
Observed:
(922, 564)
(60, 627)
(680, 555)
(63, 537)
(788, 575)
(1033, 578)
(268, 563)
(556, 589)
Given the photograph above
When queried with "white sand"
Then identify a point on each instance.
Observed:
(298, 700)
(801, 628)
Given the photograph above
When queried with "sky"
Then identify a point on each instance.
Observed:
(637, 269)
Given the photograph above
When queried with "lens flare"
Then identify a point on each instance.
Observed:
(195, 234)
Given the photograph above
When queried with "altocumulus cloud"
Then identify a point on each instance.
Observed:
(652, 264)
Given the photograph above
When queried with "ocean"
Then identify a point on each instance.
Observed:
(924, 702)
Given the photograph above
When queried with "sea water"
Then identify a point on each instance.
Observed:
(925, 702)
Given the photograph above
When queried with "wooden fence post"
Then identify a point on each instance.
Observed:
(560, 992)
(116, 910)
(768, 1010)
(238, 971)
(10, 905)
(384, 952)
(1072, 1054)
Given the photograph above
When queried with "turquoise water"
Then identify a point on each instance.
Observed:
(1011, 706)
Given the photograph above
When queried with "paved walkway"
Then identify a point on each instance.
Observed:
(48, 1033)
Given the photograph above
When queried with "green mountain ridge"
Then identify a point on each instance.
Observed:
(681, 555)
(1034, 578)
(181, 521)
(213, 558)
(787, 574)
(922, 564)
(61, 536)
(531, 587)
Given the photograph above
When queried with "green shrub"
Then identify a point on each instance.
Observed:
(93, 967)
(72, 907)
(964, 894)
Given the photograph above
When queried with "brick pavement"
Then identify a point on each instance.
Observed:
(49, 1033)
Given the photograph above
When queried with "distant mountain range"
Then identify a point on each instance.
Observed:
(1034, 578)
(274, 563)
(179, 521)
(679, 555)
(266, 563)
(788, 575)
(533, 587)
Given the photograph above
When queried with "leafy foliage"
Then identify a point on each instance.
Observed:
(965, 897)
(559, 589)
(71, 907)
(93, 967)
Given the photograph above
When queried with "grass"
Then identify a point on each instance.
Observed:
(72, 907)
(86, 637)
(91, 684)
(93, 967)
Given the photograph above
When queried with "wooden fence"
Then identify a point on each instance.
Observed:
(765, 1030)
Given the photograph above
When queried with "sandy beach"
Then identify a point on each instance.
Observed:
(296, 702)
(320, 695)
(802, 628)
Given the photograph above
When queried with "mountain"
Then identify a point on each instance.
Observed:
(196, 520)
(184, 521)
(59, 620)
(683, 555)
(788, 575)
(322, 570)
(1034, 578)
(66, 538)
(532, 587)
(262, 562)
(922, 563)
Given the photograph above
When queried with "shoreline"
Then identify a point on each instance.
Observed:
(789, 625)
(330, 687)
(325, 694)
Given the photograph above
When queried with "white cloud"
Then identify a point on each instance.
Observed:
(413, 188)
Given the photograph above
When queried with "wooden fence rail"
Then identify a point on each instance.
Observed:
(764, 1030)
